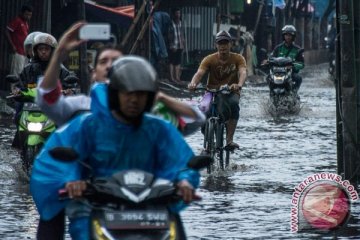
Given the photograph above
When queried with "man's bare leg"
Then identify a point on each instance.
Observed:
(178, 73)
(230, 131)
(172, 73)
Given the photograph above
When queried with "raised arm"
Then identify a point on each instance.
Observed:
(67, 43)
(49, 96)
(179, 108)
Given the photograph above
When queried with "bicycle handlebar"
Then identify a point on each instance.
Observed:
(222, 90)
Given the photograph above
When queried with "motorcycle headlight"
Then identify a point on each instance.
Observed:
(34, 127)
(279, 79)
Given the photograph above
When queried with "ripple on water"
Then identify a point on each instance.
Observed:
(252, 200)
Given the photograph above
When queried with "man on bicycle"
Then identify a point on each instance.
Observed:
(224, 68)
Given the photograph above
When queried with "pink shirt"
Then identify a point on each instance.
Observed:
(19, 29)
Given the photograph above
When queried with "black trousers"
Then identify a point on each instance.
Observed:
(297, 79)
(53, 229)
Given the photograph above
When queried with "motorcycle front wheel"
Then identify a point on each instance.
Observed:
(29, 154)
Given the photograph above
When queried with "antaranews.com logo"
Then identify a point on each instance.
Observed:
(321, 201)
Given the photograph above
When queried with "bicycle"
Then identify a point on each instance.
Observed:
(214, 132)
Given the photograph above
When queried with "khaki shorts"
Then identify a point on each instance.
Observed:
(17, 64)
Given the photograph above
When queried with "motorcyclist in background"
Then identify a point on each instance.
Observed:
(28, 46)
(43, 47)
(289, 49)
(117, 135)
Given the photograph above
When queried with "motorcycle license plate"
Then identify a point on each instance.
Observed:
(137, 219)
(28, 106)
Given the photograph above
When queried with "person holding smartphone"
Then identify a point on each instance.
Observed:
(62, 108)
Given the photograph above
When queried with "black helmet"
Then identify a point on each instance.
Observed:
(289, 29)
(129, 74)
(223, 35)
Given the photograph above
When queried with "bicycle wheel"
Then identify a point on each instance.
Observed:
(210, 143)
(227, 158)
(220, 143)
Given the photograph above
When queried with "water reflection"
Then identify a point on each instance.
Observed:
(218, 183)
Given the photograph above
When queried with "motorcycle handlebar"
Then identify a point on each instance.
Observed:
(63, 194)
(13, 96)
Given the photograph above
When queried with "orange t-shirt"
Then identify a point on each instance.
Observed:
(222, 73)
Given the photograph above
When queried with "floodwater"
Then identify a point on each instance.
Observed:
(252, 200)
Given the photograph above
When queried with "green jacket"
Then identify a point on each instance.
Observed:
(295, 52)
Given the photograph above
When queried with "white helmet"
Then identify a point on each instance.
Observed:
(29, 40)
(44, 38)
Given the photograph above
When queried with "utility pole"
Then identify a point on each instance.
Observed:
(84, 79)
(348, 88)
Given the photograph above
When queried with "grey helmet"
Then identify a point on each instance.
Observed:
(29, 40)
(129, 74)
(44, 38)
(289, 29)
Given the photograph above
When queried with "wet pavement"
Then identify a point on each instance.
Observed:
(251, 200)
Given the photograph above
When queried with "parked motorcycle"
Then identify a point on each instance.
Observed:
(131, 204)
(283, 96)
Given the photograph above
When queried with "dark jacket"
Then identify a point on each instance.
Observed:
(35, 69)
(293, 51)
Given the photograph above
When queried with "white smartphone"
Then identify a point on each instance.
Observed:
(95, 31)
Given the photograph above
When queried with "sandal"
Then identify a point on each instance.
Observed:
(232, 145)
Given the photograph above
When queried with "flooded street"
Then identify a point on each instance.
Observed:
(254, 201)
(250, 201)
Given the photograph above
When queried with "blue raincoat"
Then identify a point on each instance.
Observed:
(108, 146)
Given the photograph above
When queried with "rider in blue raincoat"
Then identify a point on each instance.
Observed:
(116, 135)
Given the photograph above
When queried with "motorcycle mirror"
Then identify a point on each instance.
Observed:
(67, 154)
(199, 162)
(64, 154)
(12, 78)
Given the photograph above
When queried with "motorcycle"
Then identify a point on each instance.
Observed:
(283, 96)
(33, 125)
(131, 204)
